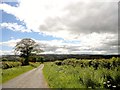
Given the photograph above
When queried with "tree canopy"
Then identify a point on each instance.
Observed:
(26, 47)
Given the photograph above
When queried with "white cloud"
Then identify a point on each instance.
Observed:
(67, 19)
(6, 52)
(93, 25)
(14, 27)
(95, 40)
(11, 37)
(102, 44)
(34, 12)
(91, 43)
(10, 43)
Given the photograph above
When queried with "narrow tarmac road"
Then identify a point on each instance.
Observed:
(31, 79)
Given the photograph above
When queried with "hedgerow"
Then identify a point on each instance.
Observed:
(75, 73)
(96, 63)
(6, 65)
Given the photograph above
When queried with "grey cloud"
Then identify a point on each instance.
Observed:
(112, 43)
(86, 18)
(110, 48)
(47, 48)
(107, 48)
(52, 25)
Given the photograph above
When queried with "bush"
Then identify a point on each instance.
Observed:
(40, 59)
(97, 63)
(4, 59)
(22, 60)
(32, 59)
(6, 65)
(58, 62)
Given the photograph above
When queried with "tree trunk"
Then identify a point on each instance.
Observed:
(26, 62)
(27, 57)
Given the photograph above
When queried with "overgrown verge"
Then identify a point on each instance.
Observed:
(0, 75)
(74, 73)
(10, 73)
(8, 64)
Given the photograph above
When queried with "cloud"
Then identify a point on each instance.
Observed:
(10, 43)
(92, 17)
(83, 18)
(96, 44)
(6, 52)
(34, 12)
(14, 27)
(73, 17)
(107, 44)
(92, 25)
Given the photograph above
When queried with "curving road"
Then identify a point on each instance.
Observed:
(31, 79)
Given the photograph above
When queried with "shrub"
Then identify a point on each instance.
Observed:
(32, 59)
(22, 61)
(40, 59)
(6, 65)
(58, 62)
(97, 63)
(4, 59)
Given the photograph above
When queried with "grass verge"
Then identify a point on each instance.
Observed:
(0, 75)
(10, 73)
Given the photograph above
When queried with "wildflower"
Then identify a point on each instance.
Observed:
(108, 81)
(104, 82)
(114, 86)
(109, 85)
(89, 87)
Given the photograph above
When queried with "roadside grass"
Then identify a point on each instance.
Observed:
(61, 76)
(70, 76)
(35, 65)
(0, 75)
(10, 73)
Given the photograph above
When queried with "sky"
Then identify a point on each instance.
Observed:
(61, 26)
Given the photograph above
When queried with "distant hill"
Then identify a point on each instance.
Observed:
(53, 57)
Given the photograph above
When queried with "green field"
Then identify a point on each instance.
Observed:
(10, 73)
(73, 73)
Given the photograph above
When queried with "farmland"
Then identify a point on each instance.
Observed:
(70, 72)
(77, 73)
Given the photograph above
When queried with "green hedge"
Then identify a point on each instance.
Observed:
(96, 63)
(6, 65)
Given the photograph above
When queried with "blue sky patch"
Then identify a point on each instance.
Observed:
(14, 4)
(9, 18)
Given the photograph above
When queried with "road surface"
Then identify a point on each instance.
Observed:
(31, 79)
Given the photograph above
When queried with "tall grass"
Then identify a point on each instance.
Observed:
(82, 74)
(0, 75)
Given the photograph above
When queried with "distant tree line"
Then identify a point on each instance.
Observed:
(54, 57)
